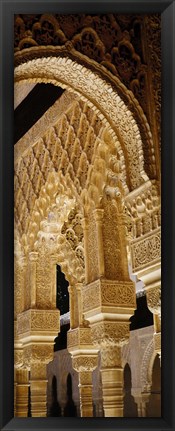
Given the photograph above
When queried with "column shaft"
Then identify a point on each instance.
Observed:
(112, 386)
(85, 388)
(38, 390)
(71, 306)
(85, 231)
(99, 223)
(32, 259)
(22, 392)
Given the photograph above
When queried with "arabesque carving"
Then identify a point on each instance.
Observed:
(110, 333)
(112, 108)
(143, 210)
(38, 352)
(153, 296)
(85, 363)
(110, 357)
(108, 293)
(79, 337)
(110, 40)
(144, 376)
(146, 250)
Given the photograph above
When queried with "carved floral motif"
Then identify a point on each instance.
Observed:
(153, 296)
(85, 363)
(108, 293)
(110, 333)
(146, 250)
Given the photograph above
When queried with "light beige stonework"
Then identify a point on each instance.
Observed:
(83, 201)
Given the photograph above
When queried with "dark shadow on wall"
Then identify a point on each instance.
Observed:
(55, 409)
(154, 405)
(70, 407)
(130, 407)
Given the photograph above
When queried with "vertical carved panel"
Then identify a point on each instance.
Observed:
(114, 243)
(92, 249)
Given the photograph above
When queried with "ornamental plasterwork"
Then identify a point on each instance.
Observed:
(143, 209)
(34, 180)
(108, 293)
(114, 243)
(157, 342)
(110, 41)
(85, 363)
(79, 337)
(49, 119)
(153, 296)
(18, 358)
(147, 359)
(146, 250)
(38, 320)
(38, 352)
(110, 357)
(110, 333)
(38, 370)
(69, 74)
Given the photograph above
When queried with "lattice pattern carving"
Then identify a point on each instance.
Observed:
(146, 250)
(111, 108)
(60, 150)
(112, 40)
(143, 210)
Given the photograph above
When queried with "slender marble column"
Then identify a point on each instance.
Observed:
(22, 390)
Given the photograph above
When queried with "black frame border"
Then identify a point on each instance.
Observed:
(7, 10)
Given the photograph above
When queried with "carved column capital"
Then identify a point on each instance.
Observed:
(153, 295)
(108, 296)
(111, 357)
(33, 256)
(110, 333)
(83, 363)
(98, 214)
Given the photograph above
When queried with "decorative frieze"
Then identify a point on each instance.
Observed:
(110, 333)
(153, 296)
(85, 363)
(32, 321)
(79, 337)
(110, 357)
(38, 352)
(106, 293)
(146, 250)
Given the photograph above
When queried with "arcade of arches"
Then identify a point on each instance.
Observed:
(87, 209)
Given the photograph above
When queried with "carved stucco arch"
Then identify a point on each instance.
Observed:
(146, 367)
(99, 94)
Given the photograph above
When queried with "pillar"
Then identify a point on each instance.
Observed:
(98, 213)
(85, 365)
(53, 259)
(112, 381)
(149, 272)
(141, 401)
(85, 232)
(84, 360)
(85, 388)
(22, 390)
(38, 388)
(80, 315)
(108, 305)
(72, 306)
